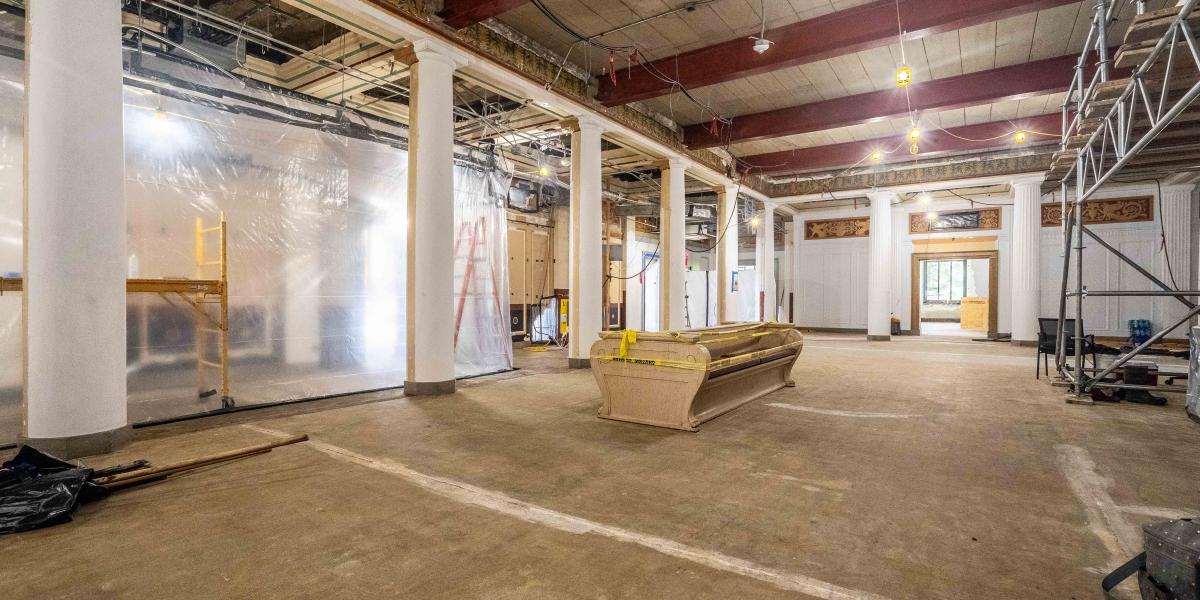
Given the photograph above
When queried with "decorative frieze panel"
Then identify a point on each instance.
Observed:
(830, 229)
(955, 220)
(882, 177)
(1100, 212)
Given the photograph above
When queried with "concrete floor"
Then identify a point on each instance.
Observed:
(901, 470)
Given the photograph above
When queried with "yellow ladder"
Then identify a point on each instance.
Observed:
(218, 326)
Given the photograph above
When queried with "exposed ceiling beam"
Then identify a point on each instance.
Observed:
(842, 32)
(463, 13)
(984, 87)
(956, 140)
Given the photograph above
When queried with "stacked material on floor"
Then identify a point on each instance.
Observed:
(680, 379)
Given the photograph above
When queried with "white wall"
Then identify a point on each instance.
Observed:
(1104, 271)
(832, 290)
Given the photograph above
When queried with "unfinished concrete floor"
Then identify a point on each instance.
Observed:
(902, 470)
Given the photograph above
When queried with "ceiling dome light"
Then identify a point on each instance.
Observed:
(904, 76)
(1020, 137)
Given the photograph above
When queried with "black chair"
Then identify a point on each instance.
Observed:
(1048, 335)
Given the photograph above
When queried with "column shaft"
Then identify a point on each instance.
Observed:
(764, 265)
(1176, 218)
(672, 233)
(727, 251)
(879, 275)
(1026, 260)
(587, 274)
(431, 222)
(75, 248)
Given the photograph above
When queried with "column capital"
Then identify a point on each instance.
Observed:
(431, 50)
(674, 162)
(1031, 179)
(1181, 189)
(586, 123)
(881, 196)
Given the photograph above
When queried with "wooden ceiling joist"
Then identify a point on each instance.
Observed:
(983, 87)
(835, 34)
(463, 13)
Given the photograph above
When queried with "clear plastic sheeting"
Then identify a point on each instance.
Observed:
(12, 243)
(315, 255)
(483, 341)
(315, 249)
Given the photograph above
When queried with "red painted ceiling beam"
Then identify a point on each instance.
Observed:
(933, 143)
(462, 13)
(851, 30)
(1006, 83)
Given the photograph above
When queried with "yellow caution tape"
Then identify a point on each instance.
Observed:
(628, 338)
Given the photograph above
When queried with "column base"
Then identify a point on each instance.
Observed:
(1085, 399)
(879, 338)
(76, 446)
(1024, 343)
(428, 388)
(579, 363)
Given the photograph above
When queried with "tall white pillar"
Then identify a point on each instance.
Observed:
(727, 251)
(430, 291)
(587, 274)
(1176, 216)
(75, 259)
(1026, 259)
(764, 265)
(789, 271)
(673, 234)
(879, 273)
(633, 285)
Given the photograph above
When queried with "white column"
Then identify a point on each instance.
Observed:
(586, 278)
(75, 259)
(789, 271)
(1026, 259)
(673, 234)
(431, 221)
(633, 285)
(764, 265)
(1176, 216)
(879, 273)
(727, 250)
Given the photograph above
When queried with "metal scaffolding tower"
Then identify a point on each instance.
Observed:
(1117, 123)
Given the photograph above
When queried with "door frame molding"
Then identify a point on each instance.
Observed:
(993, 257)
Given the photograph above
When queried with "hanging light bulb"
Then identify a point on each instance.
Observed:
(877, 155)
(924, 199)
(754, 222)
(931, 215)
(914, 135)
(1020, 137)
(904, 76)
(544, 171)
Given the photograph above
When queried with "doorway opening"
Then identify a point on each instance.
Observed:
(954, 294)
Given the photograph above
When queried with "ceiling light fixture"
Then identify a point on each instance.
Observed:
(544, 171)
(1020, 137)
(904, 76)
(931, 215)
(924, 199)
(761, 43)
(877, 155)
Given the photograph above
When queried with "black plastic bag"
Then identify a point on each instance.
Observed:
(39, 490)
